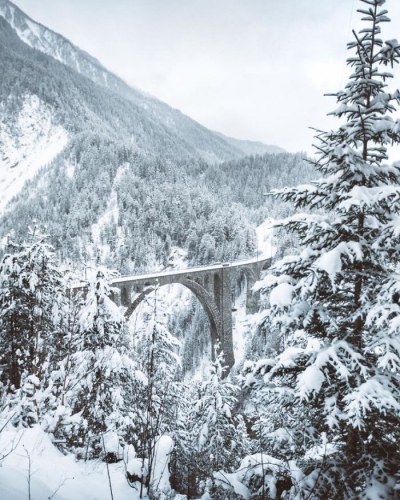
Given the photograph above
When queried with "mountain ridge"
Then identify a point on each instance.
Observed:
(48, 41)
(22, 24)
(251, 147)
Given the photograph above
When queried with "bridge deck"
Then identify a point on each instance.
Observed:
(179, 272)
(175, 272)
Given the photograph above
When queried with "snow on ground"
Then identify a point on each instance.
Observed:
(36, 470)
(163, 450)
(60, 477)
(110, 215)
(53, 473)
(25, 147)
(264, 232)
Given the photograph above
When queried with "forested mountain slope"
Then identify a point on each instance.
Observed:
(110, 175)
(134, 210)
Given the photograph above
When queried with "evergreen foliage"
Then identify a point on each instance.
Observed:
(334, 389)
(120, 159)
(158, 205)
(80, 105)
(210, 435)
(101, 374)
(31, 322)
(156, 402)
(319, 415)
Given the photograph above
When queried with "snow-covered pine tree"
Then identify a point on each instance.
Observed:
(156, 401)
(101, 375)
(32, 296)
(60, 370)
(219, 435)
(183, 463)
(336, 386)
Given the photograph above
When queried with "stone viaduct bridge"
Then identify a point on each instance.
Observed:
(213, 285)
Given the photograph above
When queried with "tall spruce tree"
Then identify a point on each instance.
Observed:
(156, 401)
(101, 374)
(32, 298)
(336, 385)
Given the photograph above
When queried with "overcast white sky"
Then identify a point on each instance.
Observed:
(252, 69)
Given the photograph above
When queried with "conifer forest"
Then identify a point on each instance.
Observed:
(185, 315)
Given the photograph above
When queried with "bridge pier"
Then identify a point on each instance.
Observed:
(226, 317)
(125, 296)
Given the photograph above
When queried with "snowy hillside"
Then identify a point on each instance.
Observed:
(252, 147)
(26, 144)
(127, 168)
(108, 386)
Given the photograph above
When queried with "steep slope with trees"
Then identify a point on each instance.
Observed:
(121, 175)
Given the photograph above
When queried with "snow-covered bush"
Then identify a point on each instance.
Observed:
(258, 476)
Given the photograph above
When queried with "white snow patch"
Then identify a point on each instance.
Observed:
(137, 467)
(331, 262)
(160, 478)
(281, 295)
(111, 443)
(259, 464)
(318, 452)
(25, 147)
(76, 480)
(110, 215)
(240, 326)
(264, 234)
(289, 356)
(69, 170)
(309, 381)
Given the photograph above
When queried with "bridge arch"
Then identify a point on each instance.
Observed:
(205, 299)
(247, 272)
(250, 277)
